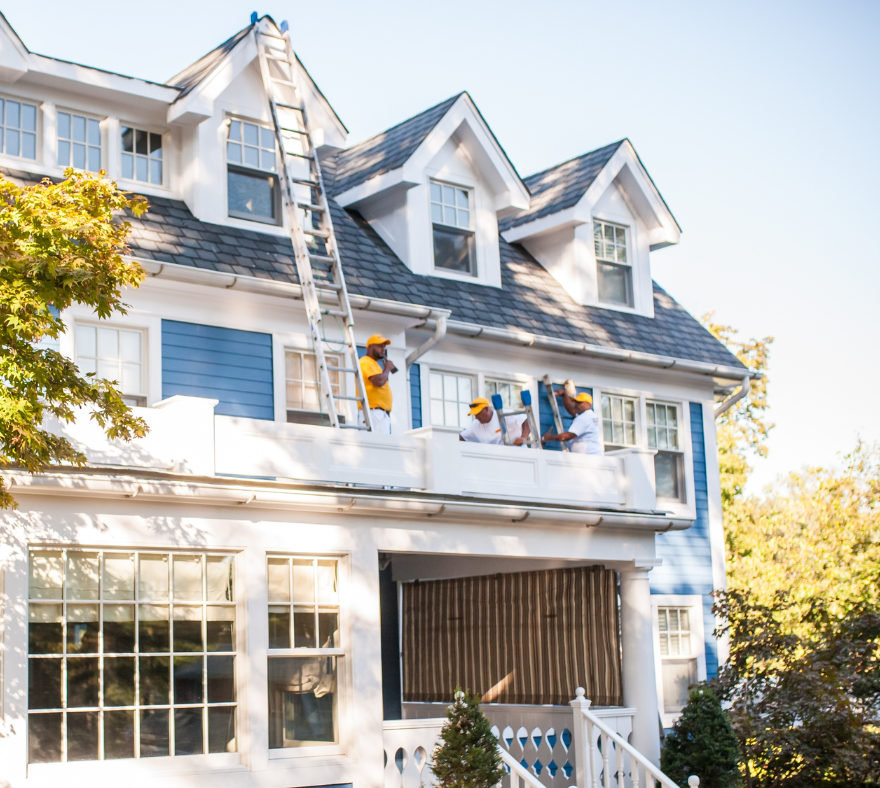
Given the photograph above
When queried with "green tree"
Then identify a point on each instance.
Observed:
(702, 742)
(468, 756)
(60, 244)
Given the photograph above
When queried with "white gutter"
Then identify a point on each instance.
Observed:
(744, 388)
(437, 336)
(225, 492)
(429, 315)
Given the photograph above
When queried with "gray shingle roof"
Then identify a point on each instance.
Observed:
(529, 299)
(561, 186)
(388, 150)
(193, 74)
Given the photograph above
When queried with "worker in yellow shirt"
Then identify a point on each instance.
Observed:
(376, 383)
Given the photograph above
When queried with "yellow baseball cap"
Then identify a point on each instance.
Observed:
(477, 405)
(584, 397)
(378, 339)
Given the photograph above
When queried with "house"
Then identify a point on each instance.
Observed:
(250, 597)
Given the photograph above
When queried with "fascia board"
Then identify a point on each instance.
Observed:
(393, 179)
(546, 224)
(14, 55)
(47, 67)
(506, 181)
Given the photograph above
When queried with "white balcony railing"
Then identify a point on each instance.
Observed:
(186, 437)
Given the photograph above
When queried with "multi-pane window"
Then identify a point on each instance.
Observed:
(678, 665)
(618, 421)
(113, 354)
(79, 142)
(453, 237)
(305, 651)
(451, 396)
(141, 155)
(252, 184)
(18, 129)
(510, 393)
(668, 461)
(301, 384)
(615, 271)
(131, 654)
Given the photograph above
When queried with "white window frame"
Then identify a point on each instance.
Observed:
(693, 603)
(339, 386)
(682, 478)
(150, 763)
(635, 400)
(492, 379)
(58, 139)
(344, 664)
(143, 396)
(628, 264)
(470, 229)
(275, 171)
(136, 127)
(19, 129)
(429, 399)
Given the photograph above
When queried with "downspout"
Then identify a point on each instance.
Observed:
(439, 333)
(734, 398)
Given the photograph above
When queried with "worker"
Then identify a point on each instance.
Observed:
(376, 384)
(486, 427)
(583, 433)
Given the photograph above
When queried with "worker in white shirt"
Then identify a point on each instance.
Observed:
(376, 383)
(583, 433)
(486, 428)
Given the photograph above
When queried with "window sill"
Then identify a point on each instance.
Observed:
(445, 273)
(316, 755)
(181, 764)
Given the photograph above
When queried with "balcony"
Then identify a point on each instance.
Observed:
(187, 438)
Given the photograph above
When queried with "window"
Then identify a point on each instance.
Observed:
(18, 129)
(615, 273)
(130, 655)
(305, 650)
(451, 396)
(252, 184)
(114, 354)
(79, 142)
(141, 155)
(303, 391)
(669, 460)
(510, 393)
(618, 421)
(678, 665)
(453, 237)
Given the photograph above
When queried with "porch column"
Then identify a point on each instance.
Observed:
(639, 679)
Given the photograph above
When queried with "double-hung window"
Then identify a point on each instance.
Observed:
(141, 155)
(251, 178)
(306, 651)
(131, 654)
(614, 269)
(451, 396)
(618, 421)
(18, 129)
(510, 393)
(79, 142)
(677, 660)
(114, 354)
(303, 393)
(663, 435)
(452, 217)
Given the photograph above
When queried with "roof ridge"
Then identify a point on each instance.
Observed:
(172, 82)
(575, 158)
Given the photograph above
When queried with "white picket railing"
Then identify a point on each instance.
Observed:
(520, 777)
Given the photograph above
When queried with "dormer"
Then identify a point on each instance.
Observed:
(434, 188)
(592, 223)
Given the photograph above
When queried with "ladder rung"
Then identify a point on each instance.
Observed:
(286, 83)
(304, 182)
(353, 399)
(317, 233)
(287, 106)
(328, 285)
(321, 258)
(341, 369)
(294, 131)
(308, 206)
(269, 35)
(353, 426)
(334, 312)
(271, 55)
(300, 155)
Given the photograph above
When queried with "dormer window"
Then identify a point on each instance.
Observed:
(615, 271)
(453, 233)
(141, 155)
(252, 185)
(18, 129)
(79, 142)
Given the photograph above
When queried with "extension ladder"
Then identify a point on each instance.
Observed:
(534, 438)
(554, 407)
(311, 228)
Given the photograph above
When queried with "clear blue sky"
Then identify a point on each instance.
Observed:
(757, 120)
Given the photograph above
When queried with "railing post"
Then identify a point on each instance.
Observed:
(582, 745)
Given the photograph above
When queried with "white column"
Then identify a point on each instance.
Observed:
(639, 679)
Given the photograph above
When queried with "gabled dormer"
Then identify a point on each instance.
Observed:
(434, 188)
(592, 223)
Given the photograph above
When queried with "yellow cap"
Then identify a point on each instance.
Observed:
(584, 397)
(378, 339)
(477, 405)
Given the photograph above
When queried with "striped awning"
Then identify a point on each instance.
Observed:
(529, 637)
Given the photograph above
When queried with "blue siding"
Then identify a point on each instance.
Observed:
(687, 555)
(415, 396)
(232, 366)
(545, 413)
